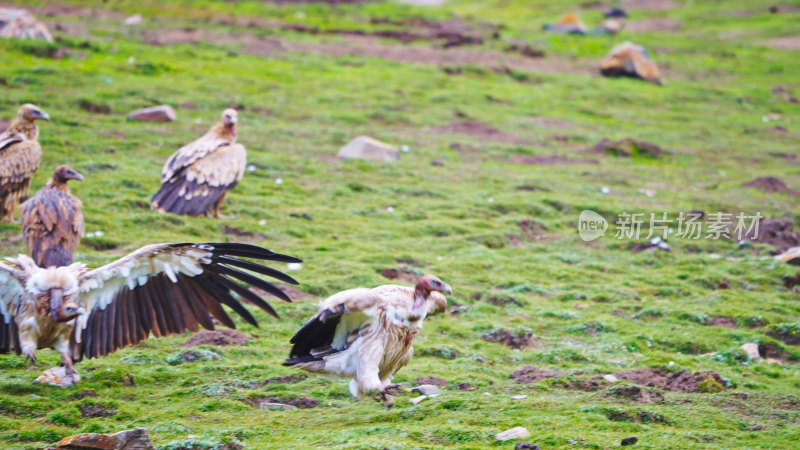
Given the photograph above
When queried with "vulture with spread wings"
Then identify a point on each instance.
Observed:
(160, 289)
(366, 334)
(52, 221)
(196, 178)
(20, 155)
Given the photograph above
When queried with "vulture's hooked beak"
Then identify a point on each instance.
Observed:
(44, 116)
(76, 176)
(447, 289)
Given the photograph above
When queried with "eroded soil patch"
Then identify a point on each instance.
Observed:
(220, 337)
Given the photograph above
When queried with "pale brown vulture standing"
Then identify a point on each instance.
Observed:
(20, 155)
(160, 288)
(196, 178)
(52, 221)
(366, 334)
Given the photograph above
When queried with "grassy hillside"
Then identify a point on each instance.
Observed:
(495, 217)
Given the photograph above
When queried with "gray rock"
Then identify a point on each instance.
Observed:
(526, 446)
(514, 433)
(365, 147)
(57, 376)
(629, 440)
(751, 349)
(136, 438)
(160, 113)
(427, 389)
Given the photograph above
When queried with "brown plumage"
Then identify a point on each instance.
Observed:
(20, 155)
(366, 334)
(196, 178)
(630, 60)
(161, 289)
(52, 221)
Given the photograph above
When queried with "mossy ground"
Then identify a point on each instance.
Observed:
(592, 308)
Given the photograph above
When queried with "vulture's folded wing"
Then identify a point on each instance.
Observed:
(11, 291)
(337, 317)
(52, 225)
(169, 288)
(191, 153)
(20, 159)
(10, 136)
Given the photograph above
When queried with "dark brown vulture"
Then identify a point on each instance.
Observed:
(52, 221)
(196, 178)
(366, 334)
(20, 155)
(160, 289)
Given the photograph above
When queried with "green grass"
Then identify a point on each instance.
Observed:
(592, 308)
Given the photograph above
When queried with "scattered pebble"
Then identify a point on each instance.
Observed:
(133, 20)
(251, 168)
(131, 60)
(514, 433)
(278, 180)
(610, 378)
(751, 349)
(390, 208)
(458, 309)
(605, 190)
(262, 222)
(629, 440)
(294, 266)
(439, 258)
(519, 397)
(491, 199)
(106, 79)
(487, 393)
(405, 148)
(671, 363)
(648, 192)
(95, 234)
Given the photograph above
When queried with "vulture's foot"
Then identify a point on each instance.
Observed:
(32, 356)
(219, 215)
(388, 400)
(392, 389)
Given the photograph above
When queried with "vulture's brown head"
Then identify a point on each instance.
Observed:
(56, 290)
(428, 288)
(229, 119)
(66, 173)
(29, 113)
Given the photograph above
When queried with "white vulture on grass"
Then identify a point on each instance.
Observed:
(160, 289)
(366, 334)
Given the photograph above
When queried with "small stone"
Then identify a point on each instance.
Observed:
(275, 406)
(294, 266)
(416, 400)
(519, 397)
(427, 389)
(751, 349)
(133, 20)
(610, 378)
(365, 147)
(526, 446)
(57, 376)
(514, 433)
(605, 190)
(161, 113)
(458, 309)
(487, 394)
(128, 439)
(629, 440)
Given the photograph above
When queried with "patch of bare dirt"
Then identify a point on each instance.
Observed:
(771, 184)
(725, 322)
(551, 123)
(786, 335)
(635, 394)
(783, 9)
(785, 43)
(274, 380)
(221, 337)
(546, 160)
(626, 148)
(682, 381)
(58, 9)
(86, 393)
(241, 235)
(519, 340)
(432, 380)
(299, 402)
(96, 410)
(661, 24)
(650, 5)
(532, 374)
(480, 131)
(777, 232)
(791, 281)
(399, 274)
(532, 230)
(95, 108)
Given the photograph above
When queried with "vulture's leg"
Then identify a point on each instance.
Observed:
(66, 358)
(218, 205)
